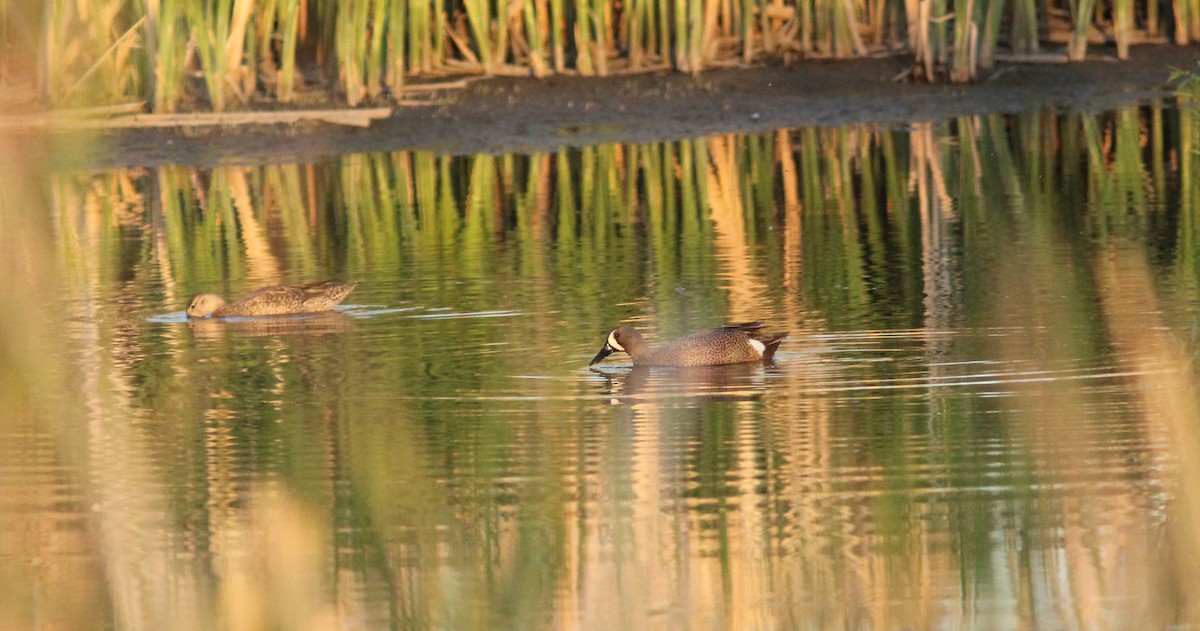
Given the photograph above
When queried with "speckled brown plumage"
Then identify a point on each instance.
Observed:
(732, 344)
(274, 300)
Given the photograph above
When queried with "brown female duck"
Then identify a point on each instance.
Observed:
(274, 300)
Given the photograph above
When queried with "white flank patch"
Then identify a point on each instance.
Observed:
(758, 346)
(612, 341)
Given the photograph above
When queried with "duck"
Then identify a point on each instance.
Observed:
(273, 300)
(730, 344)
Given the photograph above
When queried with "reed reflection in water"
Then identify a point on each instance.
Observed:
(976, 422)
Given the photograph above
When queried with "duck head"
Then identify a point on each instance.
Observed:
(625, 339)
(203, 305)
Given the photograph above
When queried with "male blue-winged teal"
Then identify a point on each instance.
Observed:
(730, 344)
(274, 300)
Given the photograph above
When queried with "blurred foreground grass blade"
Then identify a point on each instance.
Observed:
(91, 52)
(1165, 373)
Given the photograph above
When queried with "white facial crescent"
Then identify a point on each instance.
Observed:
(612, 341)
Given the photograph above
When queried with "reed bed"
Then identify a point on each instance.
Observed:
(221, 54)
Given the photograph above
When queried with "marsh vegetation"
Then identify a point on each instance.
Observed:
(230, 54)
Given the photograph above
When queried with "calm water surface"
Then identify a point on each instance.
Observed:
(963, 429)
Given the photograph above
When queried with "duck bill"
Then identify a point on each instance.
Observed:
(604, 352)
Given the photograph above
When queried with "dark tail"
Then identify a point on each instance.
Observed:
(345, 290)
(772, 342)
(329, 283)
(748, 327)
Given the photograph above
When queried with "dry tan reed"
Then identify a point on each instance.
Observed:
(212, 55)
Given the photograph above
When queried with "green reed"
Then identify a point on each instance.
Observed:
(377, 65)
(1184, 12)
(265, 34)
(557, 36)
(536, 23)
(1024, 30)
(689, 36)
(166, 47)
(416, 25)
(289, 28)
(214, 30)
(353, 46)
(963, 66)
(845, 32)
(393, 54)
(585, 49)
(482, 22)
(990, 35)
(639, 29)
(1081, 22)
(1122, 17)
(107, 51)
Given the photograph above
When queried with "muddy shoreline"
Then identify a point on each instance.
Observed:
(525, 115)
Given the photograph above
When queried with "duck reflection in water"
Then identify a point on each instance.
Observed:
(734, 382)
(322, 323)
